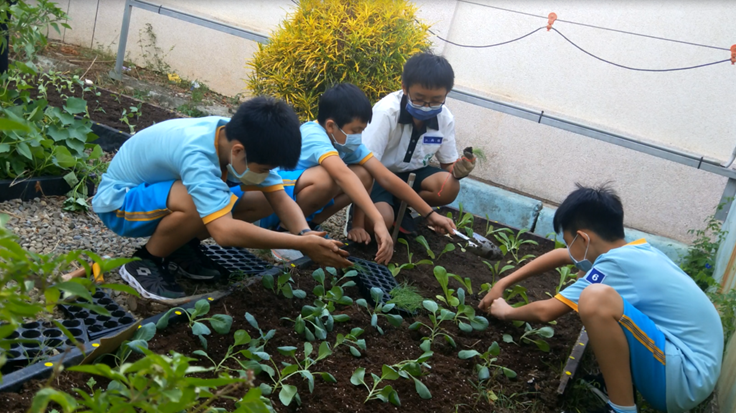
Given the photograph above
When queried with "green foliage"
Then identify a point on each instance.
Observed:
(336, 293)
(512, 243)
(380, 309)
(488, 360)
(28, 24)
(351, 340)
(423, 241)
(435, 330)
(490, 230)
(153, 56)
(324, 42)
(396, 268)
(129, 114)
(408, 369)
(221, 323)
(406, 297)
(726, 304)
(464, 221)
(315, 321)
(699, 262)
(533, 335)
(283, 285)
(567, 275)
(443, 278)
(139, 341)
(497, 270)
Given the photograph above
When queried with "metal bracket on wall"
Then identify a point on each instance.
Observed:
(117, 72)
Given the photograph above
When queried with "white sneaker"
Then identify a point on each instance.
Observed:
(348, 221)
(286, 255)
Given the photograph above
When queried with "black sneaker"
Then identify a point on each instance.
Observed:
(151, 279)
(191, 262)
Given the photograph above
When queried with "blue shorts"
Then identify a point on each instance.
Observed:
(144, 207)
(290, 179)
(646, 350)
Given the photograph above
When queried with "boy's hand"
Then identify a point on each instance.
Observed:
(443, 225)
(385, 243)
(500, 309)
(325, 252)
(359, 235)
(495, 293)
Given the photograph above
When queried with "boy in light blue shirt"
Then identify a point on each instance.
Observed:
(184, 180)
(647, 321)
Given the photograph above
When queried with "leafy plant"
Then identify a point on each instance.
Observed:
(258, 343)
(283, 285)
(699, 262)
(380, 309)
(288, 392)
(406, 297)
(406, 369)
(497, 270)
(533, 335)
(443, 277)
(324, 42)
(567, 275)
(488, 360)
(240, 338)
(490, 230)
(448, 248)
(512, 243)
(130, 113)
(396, 269)
(139, 341)
(435, 330)
(221, 323)
(335, 294)
(464, 221)
(315, 321)
(28, 26)
(726, 304)
(351, 340)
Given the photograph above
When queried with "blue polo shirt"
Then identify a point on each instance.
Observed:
(317, 146)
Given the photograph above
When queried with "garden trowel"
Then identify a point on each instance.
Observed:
(479, 245)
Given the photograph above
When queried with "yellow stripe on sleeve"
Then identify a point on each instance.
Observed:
(366, 159)
(224, 211)
(327, 155)
(272, 188)
(567, 302)
(638, 242)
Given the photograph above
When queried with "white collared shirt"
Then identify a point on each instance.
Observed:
(390, 140)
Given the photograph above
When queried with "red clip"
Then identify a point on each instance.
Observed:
(551, 19)
(733, 54)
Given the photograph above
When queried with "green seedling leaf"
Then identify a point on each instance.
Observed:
(327, 377)
(308, 349)
(450, 340)
(300, 294)
(430, 305)
(361, 344)
(251, 320)
(542, 345)
(267, 281)
(388, 307)
(288, 351)
(349, 284)
(265, 389)
(358, 376)
(376, 294)
(320, 333)
(299, 325)
(415, 326)
(464, 327)
(394, 319)
(466, 354)
(484, 373)
(319, 275)
(388, 373)
(241, 337)
(508, 372)
(341, 318)
(163, 322)
(446, 315)
(310, 379)
(331, 270)
(290, 368)
(221, 323)
(287, 393)
(362, 302)
(426, 345)
(201, 307)
(494, 349)
(309, 335)
(479, 323)
(355, 352)
(203, 341)
(286, 291)
(393, 397)
(199, 353)
(374, 320)
(421, 389)
(324, 350)
(199, 329)
(546, 332)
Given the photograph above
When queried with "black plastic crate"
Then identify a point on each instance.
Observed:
(232, 259)
(99, 325)
(44, 340)
(372, 275)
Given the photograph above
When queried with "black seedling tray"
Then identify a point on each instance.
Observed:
(44, 340)
(100, 325)
(232, 259)
(372, 275)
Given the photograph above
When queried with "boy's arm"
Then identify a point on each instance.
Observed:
(537, 312)
(287, 210)
(401, 190)
(354, 189)
(545, 262)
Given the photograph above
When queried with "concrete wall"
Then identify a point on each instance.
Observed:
(688, 110)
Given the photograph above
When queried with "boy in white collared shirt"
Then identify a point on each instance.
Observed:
(409, 128)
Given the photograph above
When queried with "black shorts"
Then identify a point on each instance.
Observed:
(379, 194)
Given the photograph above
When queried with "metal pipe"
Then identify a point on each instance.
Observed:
(117, 73)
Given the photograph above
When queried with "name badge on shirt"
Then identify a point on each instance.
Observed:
(433, 140)
(595, 276)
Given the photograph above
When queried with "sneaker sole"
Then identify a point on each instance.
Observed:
(134, 283)
(185, 274)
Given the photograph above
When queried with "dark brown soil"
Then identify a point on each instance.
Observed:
(449, 379)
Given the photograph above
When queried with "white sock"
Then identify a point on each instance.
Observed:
(621, 409)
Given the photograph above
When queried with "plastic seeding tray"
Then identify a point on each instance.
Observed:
(40, 340)
(372, 275)
(232, 259)
(100, 325)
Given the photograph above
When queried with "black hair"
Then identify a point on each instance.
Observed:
(268, 128)
(429, 70)
(597, 209)
(342, 103)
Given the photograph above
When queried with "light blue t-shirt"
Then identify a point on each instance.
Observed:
(316, 146)
(657, 287)
(177, 149)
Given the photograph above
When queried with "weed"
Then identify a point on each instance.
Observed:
(699, 262)
(190, 109)
(406, 297)
(726, 304)
(153, 56)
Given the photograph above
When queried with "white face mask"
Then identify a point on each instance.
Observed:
(248, 177)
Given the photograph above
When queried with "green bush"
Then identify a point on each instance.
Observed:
(699, 262)
(28, 25)
(324, 42)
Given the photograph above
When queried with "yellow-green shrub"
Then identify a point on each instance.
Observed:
(323, 42)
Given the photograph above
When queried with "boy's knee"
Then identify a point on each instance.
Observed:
(318, 178)
(600, 300)
(364, 176)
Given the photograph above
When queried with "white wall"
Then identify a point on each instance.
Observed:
(689, 110)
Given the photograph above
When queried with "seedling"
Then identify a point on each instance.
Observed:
(221, 323)
(423, 241)
(511, 243)
(465, 317)
(130, 113)
(351, 340)
(443, 277)
(315, 321)
(139, 341)
(558, 244)
(336, 293)
(288, 393)
(406, 297)
(566, 276)
(406, 369)
(283, 285)
(396, 268)
(434, 330)
(497, 270)
(258, 343)
(464, 221)
(241, 337)
(512, 293)
(490, 230)
(488, 360)
(380, 309)
(530, 334)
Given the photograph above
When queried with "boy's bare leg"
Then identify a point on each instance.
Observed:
(341, 199)
(430, 191)
(252, 206)
(600, 308)
(180, 226)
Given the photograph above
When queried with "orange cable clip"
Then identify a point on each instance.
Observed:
(551, 19)
(733, 54)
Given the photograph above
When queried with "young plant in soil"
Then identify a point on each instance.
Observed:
(423, 241)
(435, 330)
(406, 297)
(488, 360)
(288, 392)
(464, 221)
(566, 276)
(319, 317)
(283, 285)
(490, 230)
(533, 335)
(443, 277)
(406, 369)
(496, 271)
(335, 294)
(254, 353)
(511, 243)
(221, 323)
(139, 341)
(352, 341)
(380, 309)
(396, 268)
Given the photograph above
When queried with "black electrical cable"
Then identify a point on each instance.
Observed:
(487, 45)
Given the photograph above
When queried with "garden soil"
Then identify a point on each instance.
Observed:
(450, 379)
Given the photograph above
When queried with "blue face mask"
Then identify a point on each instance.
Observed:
(352, 142)
(422, 112)
(584, 264)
